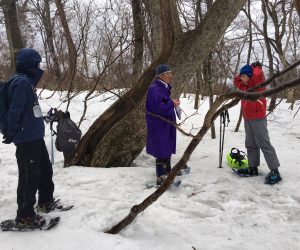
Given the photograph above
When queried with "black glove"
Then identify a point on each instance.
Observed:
(256, 64)
(7, 139)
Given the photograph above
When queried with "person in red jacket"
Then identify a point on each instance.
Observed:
(257, 135)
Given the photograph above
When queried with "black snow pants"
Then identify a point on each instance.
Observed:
(35, 173)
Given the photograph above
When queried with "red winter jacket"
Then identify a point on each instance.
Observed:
(257, 109)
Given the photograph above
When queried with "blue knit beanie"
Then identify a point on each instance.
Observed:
(163, 68)
(246, 70)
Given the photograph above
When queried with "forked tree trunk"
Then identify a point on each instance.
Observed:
(184, 54)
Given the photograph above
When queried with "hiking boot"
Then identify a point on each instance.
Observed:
(31, 222)
(273, 177)
(160, 180)
(49, 206)
(246, 172)
(253, 171)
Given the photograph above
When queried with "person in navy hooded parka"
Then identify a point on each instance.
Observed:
(161, 135)
(25, 128)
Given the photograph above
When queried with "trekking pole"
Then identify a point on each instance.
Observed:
(223, 116)
(50, 118)
(52, 149)
(220, 142)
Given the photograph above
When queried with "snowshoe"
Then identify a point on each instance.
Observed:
(29, 224)
(246, 172)
(160, 181)
(53, 205)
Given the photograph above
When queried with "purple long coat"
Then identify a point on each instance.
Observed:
(161, 136)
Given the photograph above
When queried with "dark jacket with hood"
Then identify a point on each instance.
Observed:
(24, 119)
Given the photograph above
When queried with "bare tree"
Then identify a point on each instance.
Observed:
(42, 11)
(72, 52)
(279, 12)
(13, 31)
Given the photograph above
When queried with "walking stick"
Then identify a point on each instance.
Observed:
(52, 149)
(223, 116)
(220, 141)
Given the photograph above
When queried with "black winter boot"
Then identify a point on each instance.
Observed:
(272, 177)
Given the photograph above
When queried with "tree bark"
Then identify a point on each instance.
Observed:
(13, 31)
(138, 39)
(184, 58)
(46, 18)
(198, 88)
(269, 53)
(297, 6)
(72, 52)
(208, 80)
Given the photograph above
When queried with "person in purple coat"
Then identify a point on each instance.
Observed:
(161, 135)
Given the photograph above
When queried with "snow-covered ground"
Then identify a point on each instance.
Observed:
(212, 209)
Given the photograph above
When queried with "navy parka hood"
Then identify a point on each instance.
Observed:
(27, 62)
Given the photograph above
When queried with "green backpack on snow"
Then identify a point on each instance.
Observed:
(237, 159)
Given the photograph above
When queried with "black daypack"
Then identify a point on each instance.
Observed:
(67, 134)
(4, 103)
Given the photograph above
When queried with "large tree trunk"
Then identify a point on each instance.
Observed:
(297, 6)
(269, 53)
(184, 57)
(198, 88)
(13, 31)
(138, 39)
(72, 52)
(46, 18)
(208, 80)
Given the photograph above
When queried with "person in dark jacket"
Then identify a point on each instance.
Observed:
(257, 135)
(25, 128)
(161, 135)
